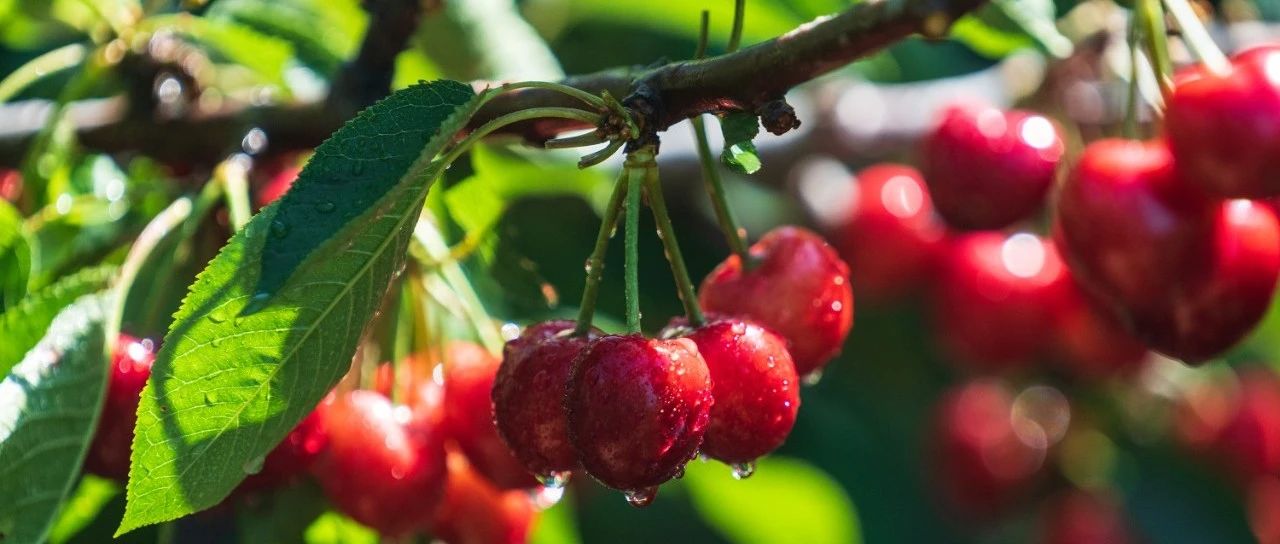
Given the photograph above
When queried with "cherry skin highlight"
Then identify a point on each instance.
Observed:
(798, 287)
(383, 467)
(109, 452)
(891, 238)
(997, 299)
(469, 374)
(988, 168)
(1225, 129)
(528, 395)
(754, 384)
(638, 410)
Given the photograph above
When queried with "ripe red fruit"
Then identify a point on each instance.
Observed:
(998, 299)
(638, 410)
(798, 287)
(1249, 443)
(294, 456)
(383, 467)
(754, 384)
(130, 367)
(982, 463)
(10, 185)
(1091, 343)
(988, 168)
(891, 237)
(1225, 129)
(1078, 517)
(475, 512)
(528, 396)
(469, 375)
(1264, 509)
(280, 172)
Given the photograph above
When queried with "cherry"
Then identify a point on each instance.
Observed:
(1225, 129)
(470, 371)
(638, 410)
(1091, 344)
(475, 512)
(754, 384)
(891, 237)
(281, 172)
(10, 185)
(528, 396)
(997, 299)
(988, 168)
(384, 467)
(293, 456)
(1078, 517)
(982, 462)
(797, 286)
(1264, 509)
(112, 443)
(1249, 443)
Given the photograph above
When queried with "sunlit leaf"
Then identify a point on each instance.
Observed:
(15, 257)
(739, 130)
(23, 325)
(83, 506)
(334, 528)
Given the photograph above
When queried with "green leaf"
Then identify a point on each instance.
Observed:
(1007, 26)
(281, 517)
(23, 325)
(739, 129)
(76, 232)
(227, 387)
(237, 44)
(48, 406)
(324, 32)
(353, 169)
(504, 176)
(334, 528)
(80, 510)
(15, 257)
(1037, 19)
(787, 500)
(555, 526)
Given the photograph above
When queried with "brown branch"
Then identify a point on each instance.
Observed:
(745, 80)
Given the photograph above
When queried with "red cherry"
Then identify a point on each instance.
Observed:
(988, 168)
(382, 467)
(1128, 227)
(1225, 129)
(891, 237)
(798, 287)
(475, 512)
(10, 185)
(1078, 517)
(1202, 319)
(1249, 443)
(983, 465)
(1264, 509)
(998, 298)
(638, 410)
(1202, 412)
(112, 443)
(469, 375)
(1092, 344)
(754, 384)
(280, 172)
(294, 455)
(528, 396)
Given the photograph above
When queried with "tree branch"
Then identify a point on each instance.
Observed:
(745, 80)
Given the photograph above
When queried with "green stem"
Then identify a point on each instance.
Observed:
(635, 177)
(516, 117)
(739, 13)
(1196, 36)
(165, 222)
(703, 35)
(667, 233)
(1151, 19)
(585, 97)
(1131, 107)
(733, 234)
(426, 233)
(62, 58)
(595, 263)
(231, 173)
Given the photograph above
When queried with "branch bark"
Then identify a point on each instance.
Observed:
(745, 80)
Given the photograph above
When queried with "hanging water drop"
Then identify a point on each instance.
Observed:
(555, 479)
(812, 378)
(546, 497)
(742, 471)
(642, 497)
(217, 316)
(325, 207)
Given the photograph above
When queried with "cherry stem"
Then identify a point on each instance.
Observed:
(1151, 20)
(635, 173)
(1197, 37)
(1131, 106)
(733, 234)
(516, 117)
(735, 36)
(595, 263)
(667, 233)
(585, 97)
(703, 35)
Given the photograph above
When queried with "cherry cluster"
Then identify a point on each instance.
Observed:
(632, 411)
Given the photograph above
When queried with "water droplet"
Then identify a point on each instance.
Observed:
(217, 341)
(642, 497)
(813, 378)
(279, 229)
(210, 399)
(555, 478)
(256, 304)
(254, 466)
(325, 207)
(742, 471)
(702, 457)
(680, 472)
(546, 497)
(217, 316)
(588, 266)
(510, 331)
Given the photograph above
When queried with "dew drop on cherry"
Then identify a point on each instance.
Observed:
(742, 471)
(642, 497)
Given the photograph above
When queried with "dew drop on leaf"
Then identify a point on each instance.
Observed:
(279, 229)
(325, 207)
(254, 466)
